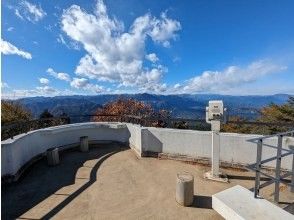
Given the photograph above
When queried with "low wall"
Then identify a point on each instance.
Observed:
(135, 139)
(235, 148)
(21, 149)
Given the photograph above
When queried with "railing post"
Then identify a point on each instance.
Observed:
(258, 167)
(292, 176)
(278, 169)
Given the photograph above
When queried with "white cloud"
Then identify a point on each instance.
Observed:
(49, 27)
(29, 11)
(231, 77)
(71, 44)
(46, 90)
(4, 85)
(38, 91)
(61, 76)
(152, 57)
(44, 81)
(96, 88)
(17, 13)
(164, 29)
(10, 29)
(7, 49)
(79, 82)
(82, 83)
(176, 59)
(113, 54)
(176, 86)
(61, 40)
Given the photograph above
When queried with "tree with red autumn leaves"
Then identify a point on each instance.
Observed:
(131, 110)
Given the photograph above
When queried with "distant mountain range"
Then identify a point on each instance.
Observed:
(183, 106)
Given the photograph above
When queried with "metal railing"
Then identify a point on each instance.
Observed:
(12, 129)
(278, 178)
(9, 130)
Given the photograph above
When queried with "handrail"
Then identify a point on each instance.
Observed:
(270, 136)
(258, 165)
(9, 130)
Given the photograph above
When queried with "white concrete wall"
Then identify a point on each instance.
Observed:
(135, 139)
(175, 141)
(196, 144)
(234, 148)
(18, 151)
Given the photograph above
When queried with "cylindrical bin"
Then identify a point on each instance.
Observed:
(53, 156)
(185, 189)
(84, 144)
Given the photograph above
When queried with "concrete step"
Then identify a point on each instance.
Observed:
(238, 203)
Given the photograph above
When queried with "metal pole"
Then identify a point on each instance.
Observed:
(258, 167)
(215, 154)
(292, 176)
(278, 168)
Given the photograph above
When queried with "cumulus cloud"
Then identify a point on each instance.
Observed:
(29, 11)
(231, 77)
(178, 85)
(9, 49)
(164, 29)
(152, 57)
(83, 83)
(44, 81)
(79, 82)
(61, 76)
(46, 90)
(113, 54)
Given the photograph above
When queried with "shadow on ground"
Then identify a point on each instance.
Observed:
(204, 202)
(290, 208)
(236, 177)
(41, 181)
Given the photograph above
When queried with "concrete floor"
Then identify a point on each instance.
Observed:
(110, 182)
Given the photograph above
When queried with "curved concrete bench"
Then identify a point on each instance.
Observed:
(22, 149)
(188, 145)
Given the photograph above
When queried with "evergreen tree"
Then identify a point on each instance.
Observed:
(46, 114)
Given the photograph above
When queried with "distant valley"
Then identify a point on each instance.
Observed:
(181, 106)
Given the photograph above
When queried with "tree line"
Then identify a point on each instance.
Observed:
(131, 110)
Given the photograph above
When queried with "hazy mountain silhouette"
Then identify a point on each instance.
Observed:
(186, 106)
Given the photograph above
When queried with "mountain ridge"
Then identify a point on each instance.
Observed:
(181, 105)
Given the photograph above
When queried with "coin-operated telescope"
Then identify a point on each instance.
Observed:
(215, 115)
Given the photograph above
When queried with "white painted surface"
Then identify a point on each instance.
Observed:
(238, 203)
(135, 139)
(215, 153)
(234, 148)
(18, 151)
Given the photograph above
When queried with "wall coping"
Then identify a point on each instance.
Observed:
(63, 128)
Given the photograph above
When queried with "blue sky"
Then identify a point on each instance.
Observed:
(114, 46)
